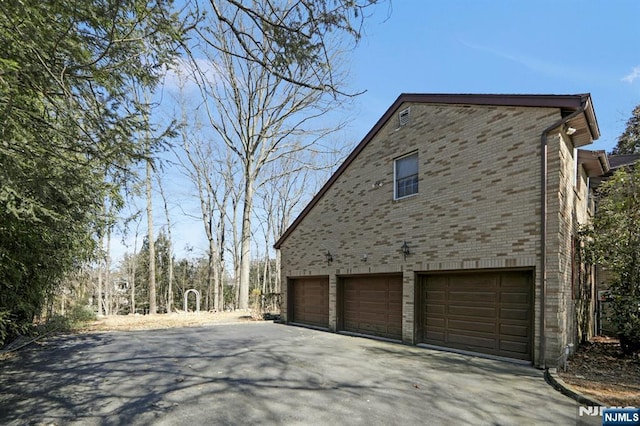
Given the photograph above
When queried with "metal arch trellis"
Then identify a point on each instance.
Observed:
(186, 296)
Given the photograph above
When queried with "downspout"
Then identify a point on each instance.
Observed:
(543, 214)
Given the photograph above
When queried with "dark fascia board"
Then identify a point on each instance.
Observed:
(564, 102)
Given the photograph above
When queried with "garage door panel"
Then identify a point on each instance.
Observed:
(436, 296)
(517, 298)
(315, 310)
(395, 310)
(466, 325)
(516, 348)
(520, 314)
(439, 323)
(474, 341)
(435, 309)
(514, 330)
(310, 301)
(372, 318)
(473, 296)
(438, 283)
(318, 320)
(472, 311)
(372, 305)
(516, 280)
(434, 335)
(475, 281)
(487, 312)
(375, 306)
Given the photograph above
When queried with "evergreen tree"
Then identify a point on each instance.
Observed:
(629, 140)
(68, 127)
(615, 244)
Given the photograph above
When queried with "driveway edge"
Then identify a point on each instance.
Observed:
(551, 377)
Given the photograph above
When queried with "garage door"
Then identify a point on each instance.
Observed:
(479, 312)
(372, 305)
(310, 302)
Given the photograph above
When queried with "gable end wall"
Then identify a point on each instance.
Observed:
(478, 206)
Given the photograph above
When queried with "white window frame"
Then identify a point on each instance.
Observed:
(395, 176)
(576, 168)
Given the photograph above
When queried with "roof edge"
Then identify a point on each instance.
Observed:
(595, 162)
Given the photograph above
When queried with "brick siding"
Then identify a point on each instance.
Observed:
(478, 207)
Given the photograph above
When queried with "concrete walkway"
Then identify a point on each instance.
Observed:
(264, 373)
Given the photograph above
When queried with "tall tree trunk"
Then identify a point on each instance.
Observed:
(278, 277)
(132, 309)
(107, 275)
(170, 298)
(245, 242)
(100, 303)
(152, 245)
(170, 249)
(134, 266)
(266, 280)
(236, 255)
(265, 272)
(214, 266)
(220, 260)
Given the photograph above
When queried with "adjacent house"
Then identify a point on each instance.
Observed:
(603, 276)
(452, 224)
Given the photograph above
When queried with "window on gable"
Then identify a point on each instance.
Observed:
(403, 117)
(406, 175)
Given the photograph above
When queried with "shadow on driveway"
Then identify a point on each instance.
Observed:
(264, 373)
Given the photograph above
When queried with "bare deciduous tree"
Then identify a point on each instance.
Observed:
(260, 116)
(299, 35)
(169, 294)
(199, 159)
(152, 245)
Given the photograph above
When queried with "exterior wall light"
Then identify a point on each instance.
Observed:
(405, 250)
(329, 257)
(364, 257)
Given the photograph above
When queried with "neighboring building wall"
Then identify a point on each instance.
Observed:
(568, 197)
(584, 274)
(478, 207)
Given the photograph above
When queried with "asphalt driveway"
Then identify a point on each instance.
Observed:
(264, 373)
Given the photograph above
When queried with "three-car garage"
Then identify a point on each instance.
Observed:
(486, 311)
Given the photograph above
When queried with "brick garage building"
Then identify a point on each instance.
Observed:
(451, 224)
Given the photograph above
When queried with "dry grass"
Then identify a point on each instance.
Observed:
(139, 322)
(161, 321)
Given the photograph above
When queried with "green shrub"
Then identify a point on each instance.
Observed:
(55, 323)
(625, 307)
(80, 314)
(10, 328)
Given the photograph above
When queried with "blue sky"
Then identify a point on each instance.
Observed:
(500, 46)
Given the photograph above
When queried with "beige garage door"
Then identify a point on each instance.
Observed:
(488, 312)
(310, 302)
(372, 305)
